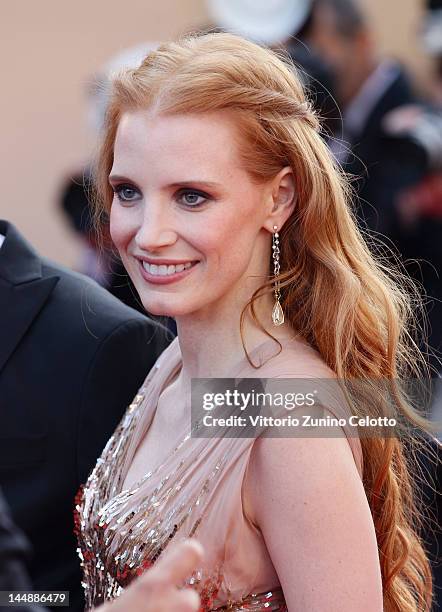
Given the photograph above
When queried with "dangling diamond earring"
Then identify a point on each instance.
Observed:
(277, 312)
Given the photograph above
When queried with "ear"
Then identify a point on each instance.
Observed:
(281, 199)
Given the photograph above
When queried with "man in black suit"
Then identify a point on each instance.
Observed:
(367, 88)
(72, 357)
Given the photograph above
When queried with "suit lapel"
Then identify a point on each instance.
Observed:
(23, 290)
(19, 305)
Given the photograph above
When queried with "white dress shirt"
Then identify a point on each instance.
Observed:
(1, 239)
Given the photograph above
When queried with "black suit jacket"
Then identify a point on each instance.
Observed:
(382, 168)
(72, 357)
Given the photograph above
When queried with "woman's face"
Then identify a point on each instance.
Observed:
(187, 220)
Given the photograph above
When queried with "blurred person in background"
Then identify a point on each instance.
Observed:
(71, 358)
(417, 129)
(367, 86)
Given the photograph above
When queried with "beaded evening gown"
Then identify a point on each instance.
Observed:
(196, 491)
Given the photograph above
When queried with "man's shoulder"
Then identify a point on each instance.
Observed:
(80, 299)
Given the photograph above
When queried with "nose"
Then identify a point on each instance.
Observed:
(155, 231)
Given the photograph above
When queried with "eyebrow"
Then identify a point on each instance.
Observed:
(117, 177)
(210, 184)
(190, 183)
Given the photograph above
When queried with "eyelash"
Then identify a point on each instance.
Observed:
(182, 192)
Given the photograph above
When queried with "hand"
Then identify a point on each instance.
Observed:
(156, 590)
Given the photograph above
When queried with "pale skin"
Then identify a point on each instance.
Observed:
(157, 590)
(305, 495)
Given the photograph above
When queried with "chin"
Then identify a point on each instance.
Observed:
(157, 309)
(160, 308)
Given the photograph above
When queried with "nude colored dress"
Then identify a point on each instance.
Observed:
(197, 491)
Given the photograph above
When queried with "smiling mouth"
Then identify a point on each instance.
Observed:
(166, 270)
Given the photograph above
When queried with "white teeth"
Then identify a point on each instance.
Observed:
(163, 269)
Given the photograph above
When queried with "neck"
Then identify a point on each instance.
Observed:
(211, 343)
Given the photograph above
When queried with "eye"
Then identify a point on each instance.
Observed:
(192, 198)
(126, 193)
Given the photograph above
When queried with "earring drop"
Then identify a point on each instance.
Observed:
(277, 312)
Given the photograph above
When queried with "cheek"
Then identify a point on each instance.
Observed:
(217, 235)
(121, 227)
(225, 242)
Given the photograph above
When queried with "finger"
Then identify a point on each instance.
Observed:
(186, 600)
(179, 562)
(189, 600)
(143, 599)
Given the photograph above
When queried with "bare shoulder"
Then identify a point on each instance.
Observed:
(306, 497)
(305, 466)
